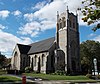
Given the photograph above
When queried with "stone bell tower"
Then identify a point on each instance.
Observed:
(67, 39)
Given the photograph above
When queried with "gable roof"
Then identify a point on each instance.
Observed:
(23, 48)
(41, 46)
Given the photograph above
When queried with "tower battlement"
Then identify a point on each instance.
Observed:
(67, 39)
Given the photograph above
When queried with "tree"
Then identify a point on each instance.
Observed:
(88, 51)
(2, 60)
(91, 12)
(85, 63)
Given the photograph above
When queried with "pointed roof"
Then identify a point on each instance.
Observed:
(23, 48)
(41, 46)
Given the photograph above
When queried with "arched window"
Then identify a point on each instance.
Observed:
(73, 49)
(35, 60)
(15, 59)
(32, 63)
(60, 24)
(70, 23)
(29, 60)
(43, 59)
(73, 25)
(64, 21)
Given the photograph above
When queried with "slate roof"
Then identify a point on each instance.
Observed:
(41, 46)
(23, 48)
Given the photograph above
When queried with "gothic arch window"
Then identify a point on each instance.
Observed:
(73, 49)
(43, 59)
(15, 55)
(64, 21)
(73, 22)
(15, 59)
(70, 24)
(32, 63)
(35, 60)
(60, 23)
(29, 60)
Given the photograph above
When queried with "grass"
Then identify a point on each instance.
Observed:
(58, 77)
(8, 79)
(2, 72)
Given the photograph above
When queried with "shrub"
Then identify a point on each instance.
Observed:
(2, 71)
(89, 75)
(98, 76)
(35, 72)
(60, 72)
(28, 69)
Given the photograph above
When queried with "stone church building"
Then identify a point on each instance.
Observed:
(57, 53)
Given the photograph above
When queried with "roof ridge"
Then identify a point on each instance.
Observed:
(41, 46)
(41, 41)
(22, 44)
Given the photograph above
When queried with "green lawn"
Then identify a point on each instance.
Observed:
(8, 79)
(57, 77)
(2, 72)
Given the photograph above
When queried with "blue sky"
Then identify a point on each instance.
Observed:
(27, 21)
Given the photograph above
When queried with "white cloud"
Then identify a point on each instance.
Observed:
(46, 16)
(4, 14)
(49, 10)
(47, 24)
(25, 40)
(35, 34)
(2, 27)
(45, 19)
(8, 42)
(31, 28)
(39, 5)
(17, 13)
(97, 38)
(34, 28)
(29, 17)
(91, 35)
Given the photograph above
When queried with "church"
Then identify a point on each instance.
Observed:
(56, 53)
